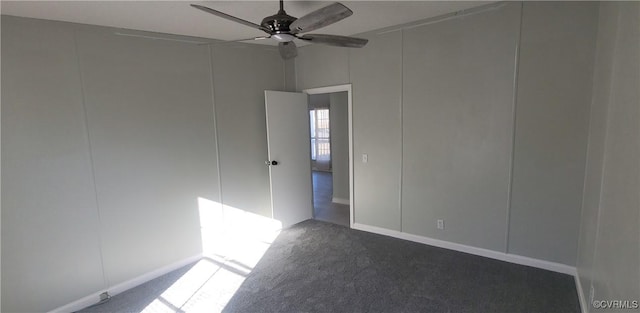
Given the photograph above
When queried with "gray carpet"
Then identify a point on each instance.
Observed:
(321, 267)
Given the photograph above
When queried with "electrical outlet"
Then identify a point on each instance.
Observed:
(104, 296)
(440, 224)
(365, 158)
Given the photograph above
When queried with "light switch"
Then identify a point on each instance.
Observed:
(365, 158)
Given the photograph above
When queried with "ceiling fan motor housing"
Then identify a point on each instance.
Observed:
(278, 23)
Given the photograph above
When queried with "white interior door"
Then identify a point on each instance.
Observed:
(289, 144)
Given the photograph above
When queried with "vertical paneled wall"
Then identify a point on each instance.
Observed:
(617, 270)
(50, 246)
(376, 77)
(457, 127)
(339, 123)
(150, 114)
(108, 142)
(552, 116)
(607, 28)
(241, 75)
(434, 107)
(609, 248)
(333, 68)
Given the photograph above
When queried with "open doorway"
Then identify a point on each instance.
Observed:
(329, 131)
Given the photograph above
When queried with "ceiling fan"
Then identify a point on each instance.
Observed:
(285, 28)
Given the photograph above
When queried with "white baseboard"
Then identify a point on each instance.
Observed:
(79, 304)
(584, 308)
(124, 286)
(340, 201)
(512, 258)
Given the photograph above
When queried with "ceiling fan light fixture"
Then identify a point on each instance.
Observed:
(283, 37)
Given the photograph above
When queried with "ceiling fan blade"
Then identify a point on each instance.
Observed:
(217, 43)
(249, 39)
(288, 50)
(320, 18)
(335, 40)
(231, 18)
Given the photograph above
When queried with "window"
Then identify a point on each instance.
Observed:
(320, 137)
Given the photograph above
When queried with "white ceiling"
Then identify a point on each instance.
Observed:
(177, 17)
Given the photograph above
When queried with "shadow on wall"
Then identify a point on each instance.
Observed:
(233, 242)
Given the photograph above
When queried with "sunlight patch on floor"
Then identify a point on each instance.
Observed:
(233, 242)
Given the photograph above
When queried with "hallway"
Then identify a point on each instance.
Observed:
(323, 208)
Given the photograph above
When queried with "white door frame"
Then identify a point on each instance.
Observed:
(341, 88)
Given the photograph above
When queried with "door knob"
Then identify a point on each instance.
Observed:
(271, 162)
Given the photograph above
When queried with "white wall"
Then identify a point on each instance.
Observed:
(50, 246)
(319, 101)
(241, 75)
(310, 74)
(376, 77)
(433, 107)
(457, 127)
(150, 113)
(108, 141)
(339, 124)
(552, 114)
(290, 75)
(609, 248)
